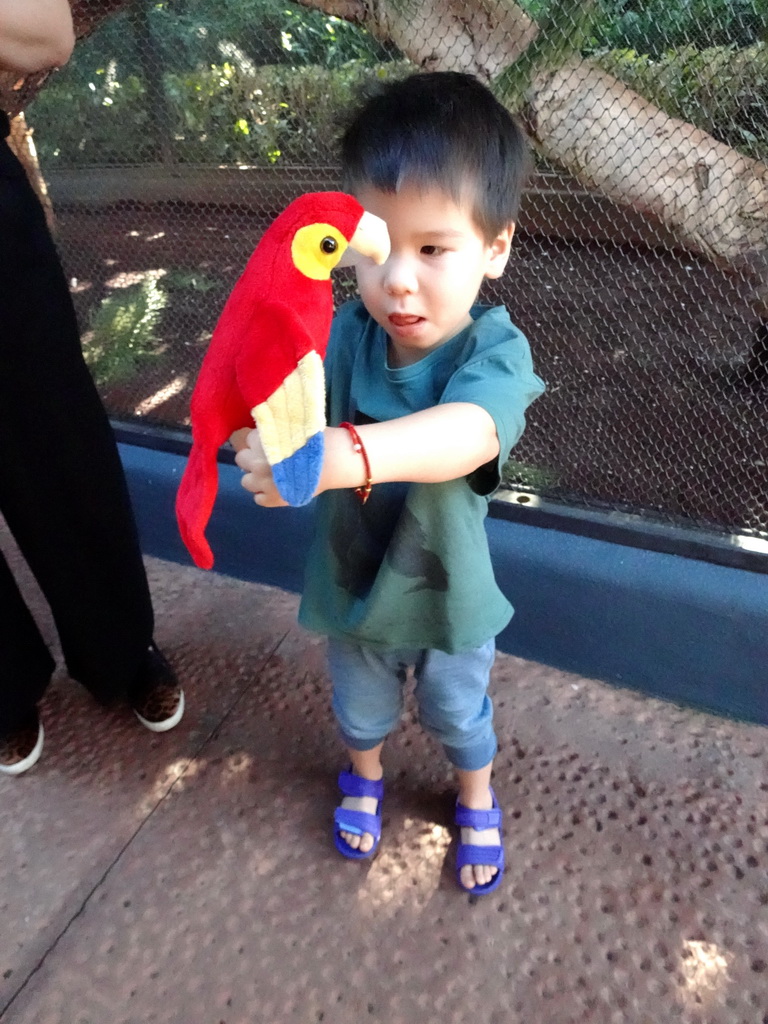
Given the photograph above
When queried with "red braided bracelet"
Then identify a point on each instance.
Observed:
(363, 492)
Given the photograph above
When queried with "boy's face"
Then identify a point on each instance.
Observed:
(423, 293)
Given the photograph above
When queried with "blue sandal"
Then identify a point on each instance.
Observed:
(469, 853)
(357, 822)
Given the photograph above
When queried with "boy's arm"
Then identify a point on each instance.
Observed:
(442, 443)
(35, 34)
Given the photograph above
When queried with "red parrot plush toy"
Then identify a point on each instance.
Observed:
(264, 364)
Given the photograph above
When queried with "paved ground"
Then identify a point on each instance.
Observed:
(191, 878)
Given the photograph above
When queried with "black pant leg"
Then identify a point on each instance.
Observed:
(62, 487)
(25, 662)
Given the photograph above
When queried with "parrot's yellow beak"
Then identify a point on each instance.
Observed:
(370, 239)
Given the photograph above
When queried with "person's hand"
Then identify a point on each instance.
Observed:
(239, 439)
(258, 477)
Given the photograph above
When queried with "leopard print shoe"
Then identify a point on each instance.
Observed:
(161, 704)
(162, 708)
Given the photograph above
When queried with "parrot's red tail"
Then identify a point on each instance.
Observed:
(194, 502)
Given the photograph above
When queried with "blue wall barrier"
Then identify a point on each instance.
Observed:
(673, 627)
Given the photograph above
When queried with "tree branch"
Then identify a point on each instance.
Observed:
(355, 11)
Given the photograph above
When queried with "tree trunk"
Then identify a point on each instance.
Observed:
(481, 37)
(714, 199)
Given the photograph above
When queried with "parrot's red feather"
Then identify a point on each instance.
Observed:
(249, 356)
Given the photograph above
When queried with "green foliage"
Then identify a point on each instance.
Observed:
(190, 280)
(656, 26)
(722, 90)
(221, 114)
(198, 33)
(105, 120)
(311, 37)
(122, 334)
(201, 78)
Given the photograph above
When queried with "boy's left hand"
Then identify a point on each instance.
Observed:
(258, 477)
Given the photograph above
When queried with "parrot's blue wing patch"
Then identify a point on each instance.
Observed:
(297, 476)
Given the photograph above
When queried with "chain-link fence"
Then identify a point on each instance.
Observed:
(179, 129)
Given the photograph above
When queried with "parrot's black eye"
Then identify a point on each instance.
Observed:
(329, 245)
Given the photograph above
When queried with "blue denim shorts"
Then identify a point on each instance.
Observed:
(451, 692)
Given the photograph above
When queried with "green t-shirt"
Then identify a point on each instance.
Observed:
(411, 567)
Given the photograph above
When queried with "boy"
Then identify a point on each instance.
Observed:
(427, 394)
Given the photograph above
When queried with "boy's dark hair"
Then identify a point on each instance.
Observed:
(440, 128)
